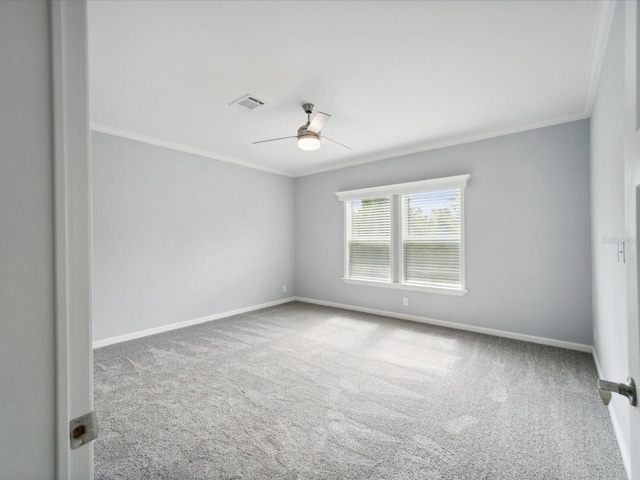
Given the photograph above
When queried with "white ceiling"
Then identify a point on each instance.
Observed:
(397, 77)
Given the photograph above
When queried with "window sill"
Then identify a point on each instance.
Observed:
(404, 286)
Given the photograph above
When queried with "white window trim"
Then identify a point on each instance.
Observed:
(458, 181)
(394, 192)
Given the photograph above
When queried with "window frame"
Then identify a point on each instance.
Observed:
(395, 192)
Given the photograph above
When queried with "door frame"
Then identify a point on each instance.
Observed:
(72, 223)
(72, 226)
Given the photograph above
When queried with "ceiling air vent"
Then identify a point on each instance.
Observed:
(248, 101)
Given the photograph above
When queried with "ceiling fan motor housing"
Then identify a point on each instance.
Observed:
(303, 132)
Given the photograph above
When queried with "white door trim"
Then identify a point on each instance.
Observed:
(72, 210)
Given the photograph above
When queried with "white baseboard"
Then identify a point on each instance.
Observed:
(457, 326)
(415, 318)
(186, 323)
(622, 445)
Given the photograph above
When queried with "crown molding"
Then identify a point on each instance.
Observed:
(96, 127)
(441, 143)
(374, 157)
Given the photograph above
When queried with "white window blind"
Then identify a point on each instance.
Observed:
(432, 238)
(369, 238)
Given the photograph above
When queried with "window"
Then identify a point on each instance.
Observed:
(369, 239)
(408, 236)
(432, 238)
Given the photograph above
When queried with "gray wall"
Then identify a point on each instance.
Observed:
(27, 390)
(178, 236)
(528, 263)
(608, 218)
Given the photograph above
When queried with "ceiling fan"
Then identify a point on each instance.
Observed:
(309, 134)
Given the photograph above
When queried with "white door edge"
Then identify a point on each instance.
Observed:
(72, 223)
(632, 218)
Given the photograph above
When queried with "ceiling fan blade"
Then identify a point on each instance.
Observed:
(342, 145)
(274, 139)
(318, 122)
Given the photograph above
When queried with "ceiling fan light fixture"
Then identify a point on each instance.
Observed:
(308, 142)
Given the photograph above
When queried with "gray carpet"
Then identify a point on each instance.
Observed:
(306, 392)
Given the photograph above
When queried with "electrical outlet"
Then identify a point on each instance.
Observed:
(284, 288)
(405, 301)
